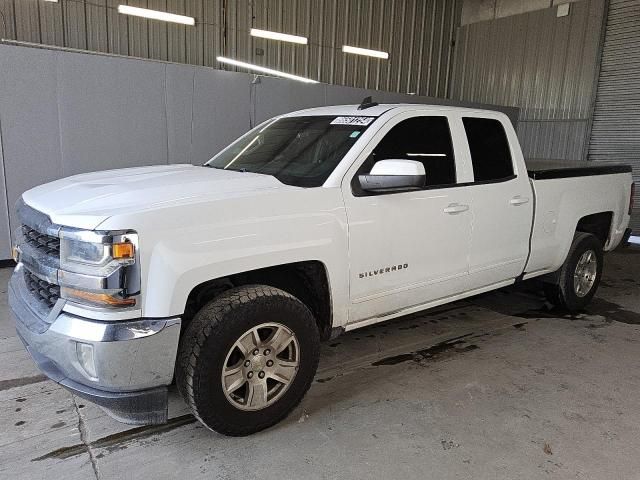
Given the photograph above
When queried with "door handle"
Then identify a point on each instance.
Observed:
(455, 208)
(518, 200)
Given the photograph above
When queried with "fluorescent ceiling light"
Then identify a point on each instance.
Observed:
(426, 154)
(278, 36)
(365, 51)
(51, 1)
(155, 15)
(269, 71)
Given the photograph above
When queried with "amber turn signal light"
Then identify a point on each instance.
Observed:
(96, 298)
(123, 250)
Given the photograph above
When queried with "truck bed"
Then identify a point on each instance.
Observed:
(566, 192)
(548, 169)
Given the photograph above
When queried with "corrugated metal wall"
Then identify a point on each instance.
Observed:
(416, 33)
(541, 63)
(615, 134)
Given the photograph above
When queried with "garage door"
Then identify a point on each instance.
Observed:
(615, 135)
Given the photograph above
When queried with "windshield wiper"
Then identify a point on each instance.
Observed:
(243, 170)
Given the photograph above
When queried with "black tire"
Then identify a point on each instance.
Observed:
(213, 332)
(562, 293)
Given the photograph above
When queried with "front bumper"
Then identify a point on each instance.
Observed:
(133, 360)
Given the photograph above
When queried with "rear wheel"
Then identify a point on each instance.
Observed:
(580, 275)
(247, 359)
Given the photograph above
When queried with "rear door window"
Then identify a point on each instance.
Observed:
(489, 146)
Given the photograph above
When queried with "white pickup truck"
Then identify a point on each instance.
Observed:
(226, 276)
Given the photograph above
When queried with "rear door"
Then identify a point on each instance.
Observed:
(502, 202)
(408, 248)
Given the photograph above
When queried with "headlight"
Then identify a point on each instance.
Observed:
(98, 269)
(83, 256)
(94, 258)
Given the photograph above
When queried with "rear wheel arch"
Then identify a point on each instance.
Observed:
(597, 224)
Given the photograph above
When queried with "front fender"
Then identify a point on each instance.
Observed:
(180, 251)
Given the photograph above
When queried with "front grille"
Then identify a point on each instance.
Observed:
(40, 241)
(45, 292)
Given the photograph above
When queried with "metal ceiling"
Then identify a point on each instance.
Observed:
(417, 34)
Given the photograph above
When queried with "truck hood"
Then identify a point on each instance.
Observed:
(87, 200)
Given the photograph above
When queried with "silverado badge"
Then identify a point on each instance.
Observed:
(383, 270)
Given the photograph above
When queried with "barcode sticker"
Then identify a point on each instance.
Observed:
(352, 121)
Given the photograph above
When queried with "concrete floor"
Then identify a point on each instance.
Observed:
(492, 387)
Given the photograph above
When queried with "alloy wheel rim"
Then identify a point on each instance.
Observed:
(585, 274)
(260, 366)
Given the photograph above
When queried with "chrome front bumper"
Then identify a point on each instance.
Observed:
(134, 360)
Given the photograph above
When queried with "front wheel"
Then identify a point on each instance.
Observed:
(247, 359)
(579, 276)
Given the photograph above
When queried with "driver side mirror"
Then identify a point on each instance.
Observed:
(394, 176)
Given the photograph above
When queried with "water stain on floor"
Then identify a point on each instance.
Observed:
(612, 312)
(20, 382)
(457, 344)
(117, 440)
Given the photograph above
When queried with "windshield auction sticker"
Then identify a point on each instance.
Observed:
(353, 121)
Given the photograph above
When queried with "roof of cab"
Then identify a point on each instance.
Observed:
(376, 111)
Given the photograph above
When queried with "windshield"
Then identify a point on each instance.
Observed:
(299, 151)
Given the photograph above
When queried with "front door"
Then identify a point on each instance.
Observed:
(408, 248)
